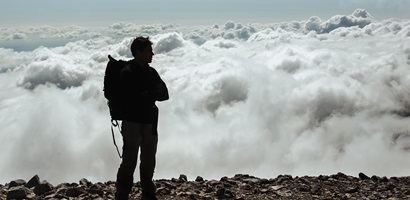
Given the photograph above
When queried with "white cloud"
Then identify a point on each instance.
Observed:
(58, 72)
(229, 25)
(17, 36)
(167, 42)
(358, 18)
(312, 97)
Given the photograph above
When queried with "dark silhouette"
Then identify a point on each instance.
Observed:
(141, 87)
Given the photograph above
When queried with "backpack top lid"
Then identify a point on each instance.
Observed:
(112, 77)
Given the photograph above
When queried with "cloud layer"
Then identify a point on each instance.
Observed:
(301, 98)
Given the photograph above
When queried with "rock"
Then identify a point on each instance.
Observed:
(74, 192)
(33, 182)
(183, 178)
(375, 178)
(284, 193)
(15, 183)
(19, 192)
(363, 176)
(199, 179)
(283, 178)
(224, 178)
(85, 182)
(213, 182)
(224, 193)
(339, 176)
(351, 189)
(239, 187)
(390, 186)
(251, 180)
(241, 176)
(277, 187)
(100, 193)
(54, 196)
(384, 179)
(170, 185)
(265, 181)
(43, 187)
(315, 189)
(304, 188)
(163, 191)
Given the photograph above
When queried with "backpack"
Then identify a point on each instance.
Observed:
(112, 92)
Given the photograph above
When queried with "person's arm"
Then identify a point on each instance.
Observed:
(160, 92)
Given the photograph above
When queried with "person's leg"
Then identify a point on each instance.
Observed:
(148, 150)
(132, 136)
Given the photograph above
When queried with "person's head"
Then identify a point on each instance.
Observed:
(141, 49)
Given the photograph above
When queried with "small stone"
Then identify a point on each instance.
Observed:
(175, 180)
(384, 179)
(183, 178)
(375, 178)
(251, 180)
(163, 191)
(264, 190)
(74, 192)
(304, 188)
(170, 185)
(284, 178)
(241, 176)
(277, 187)
(199, 179)
(338, 176)
(284, 193)
(351, 190)
(99, 192)
(315, 189)
(390, 186)
(213, 182)
(265, 181)
(85, 182)
(363, 176)
(224, 193)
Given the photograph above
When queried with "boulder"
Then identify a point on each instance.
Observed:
(19, 192)
(33, 182)
(18, 182)
(43, 188)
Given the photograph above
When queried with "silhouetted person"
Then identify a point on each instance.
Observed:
(141, 86)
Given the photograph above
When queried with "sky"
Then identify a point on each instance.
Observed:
(326, 93)
(104, 12)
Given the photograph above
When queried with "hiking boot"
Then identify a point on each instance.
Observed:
(121, 194)
(146, 196)
(121, 197)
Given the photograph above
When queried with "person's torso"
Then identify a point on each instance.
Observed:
(140, 106)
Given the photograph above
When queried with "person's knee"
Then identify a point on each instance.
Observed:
(129, 162)
(147, 168)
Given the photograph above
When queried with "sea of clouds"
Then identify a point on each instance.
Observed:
(302, 98)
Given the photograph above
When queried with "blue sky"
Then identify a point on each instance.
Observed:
(105, 12)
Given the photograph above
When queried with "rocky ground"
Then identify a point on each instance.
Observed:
(241, 186)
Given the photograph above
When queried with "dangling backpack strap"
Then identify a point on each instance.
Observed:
(115, 123)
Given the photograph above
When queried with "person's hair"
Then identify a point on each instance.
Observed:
(139, 44)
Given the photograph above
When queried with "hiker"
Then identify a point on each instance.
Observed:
(141, 86)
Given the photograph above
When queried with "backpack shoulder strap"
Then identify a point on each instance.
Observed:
(115, 123)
